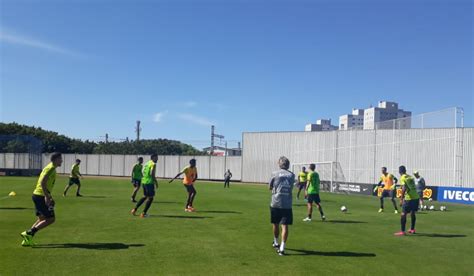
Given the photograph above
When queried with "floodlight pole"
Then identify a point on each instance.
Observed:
(214, 135)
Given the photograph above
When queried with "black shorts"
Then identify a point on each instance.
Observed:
(410, 205)
(281, 216)
(41, 208)
(314, 198)
(190, 188)
(74, 180)
(388, 193)
(301, 185)
(149, 190)
(136, 182)
(420, 194)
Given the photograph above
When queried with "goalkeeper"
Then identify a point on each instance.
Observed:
(388, 183)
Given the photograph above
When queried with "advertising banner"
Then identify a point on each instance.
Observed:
(456, 195)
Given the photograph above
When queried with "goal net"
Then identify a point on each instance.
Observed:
(330, 174)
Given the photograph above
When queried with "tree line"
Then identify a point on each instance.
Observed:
(21, 138)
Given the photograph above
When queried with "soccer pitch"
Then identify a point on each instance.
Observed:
(229, 234)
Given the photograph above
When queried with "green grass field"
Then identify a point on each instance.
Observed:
(229, 234)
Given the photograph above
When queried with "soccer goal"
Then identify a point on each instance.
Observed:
(330, 173)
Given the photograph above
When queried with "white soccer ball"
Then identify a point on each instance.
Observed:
(442, 208)
(432, 208)
(343, 209)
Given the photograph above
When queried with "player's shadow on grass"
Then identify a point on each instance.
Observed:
(345, 221)
(219, 212)
(434, 235)
(92, 196)
(301, 252)
(94, 246)
(167, 202)
(15, 208)
(180, 217)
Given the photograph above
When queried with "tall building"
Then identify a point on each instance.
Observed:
(383, 116)
(321, 125)
(354, 120)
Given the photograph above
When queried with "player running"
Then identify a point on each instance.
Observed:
(302, 178)
(227, 177)
(44, 203)
(190, 176)
(74, 178)
(149, 184)
(137, 177)
(312, 193)
(420, 186)
(281, 213)
(409, 199)
(387, 181)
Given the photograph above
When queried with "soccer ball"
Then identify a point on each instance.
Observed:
(442, 208)
(343, 209)
(432, 208)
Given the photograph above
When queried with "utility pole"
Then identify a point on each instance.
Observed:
(106, 138)
(138, 129)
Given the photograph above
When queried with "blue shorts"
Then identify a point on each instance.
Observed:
(136, 182)
(149, 190)
(74, 180)
(410, 205)
(314, 198)
(388, 193)
(42, 210)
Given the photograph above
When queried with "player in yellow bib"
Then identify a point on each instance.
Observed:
(137, 175)
(388, 183)
(74, 178)
(302, 178)
(149, 184)
(410, 201)
(44, 203)
(190, 176)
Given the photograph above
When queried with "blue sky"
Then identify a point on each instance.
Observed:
(84, 68)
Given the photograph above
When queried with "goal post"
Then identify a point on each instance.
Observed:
(330, 173)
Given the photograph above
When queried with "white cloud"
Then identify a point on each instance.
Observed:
(195, 119)
(16, 39)
(158, 117)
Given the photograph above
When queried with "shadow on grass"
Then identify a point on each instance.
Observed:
(94, 246)
(167, 202)
(301, 252)
(345, 221)
(434, 235)
(15, 208)
(92, 196)
(220, 212)
(180, 217)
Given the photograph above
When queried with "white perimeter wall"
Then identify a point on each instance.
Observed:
(443, 156)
